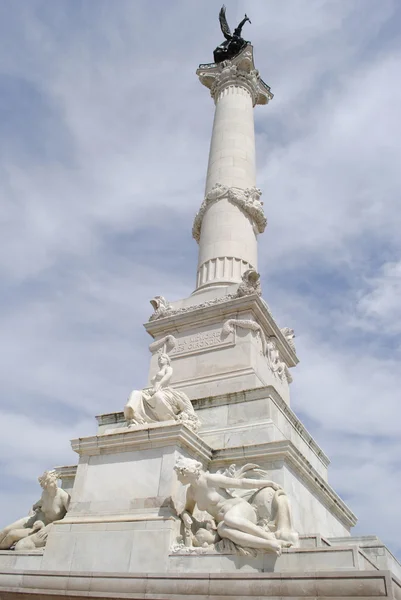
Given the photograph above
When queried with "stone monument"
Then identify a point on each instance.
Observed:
(205, 484)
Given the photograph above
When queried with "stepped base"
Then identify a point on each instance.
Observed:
(223, 586)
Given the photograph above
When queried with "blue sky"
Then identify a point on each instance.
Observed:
(104, 135)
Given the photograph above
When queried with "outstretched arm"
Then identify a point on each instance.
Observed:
(244, 484)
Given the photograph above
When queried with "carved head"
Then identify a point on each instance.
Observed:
(159, 302)
(164, 359)
(251, 276)
(49, 479)
(187, 469)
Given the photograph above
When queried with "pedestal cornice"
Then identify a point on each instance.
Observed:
(213, 311)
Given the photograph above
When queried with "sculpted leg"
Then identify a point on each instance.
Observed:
(284, 528)
(16, 525)
(233, 519)
(247, 540)
(14, 536)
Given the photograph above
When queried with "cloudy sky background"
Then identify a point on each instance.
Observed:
(104, 135)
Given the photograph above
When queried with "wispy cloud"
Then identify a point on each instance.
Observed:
(104, 136)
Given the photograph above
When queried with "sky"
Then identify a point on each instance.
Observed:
(104, 138)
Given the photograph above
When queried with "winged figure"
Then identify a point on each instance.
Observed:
(234, 42)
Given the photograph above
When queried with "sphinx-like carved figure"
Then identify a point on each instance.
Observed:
(161, 308)
(250, 284)
(160, 402)
(251, 514)
(51, 507)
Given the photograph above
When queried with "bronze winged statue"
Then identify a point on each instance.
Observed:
(234, 42)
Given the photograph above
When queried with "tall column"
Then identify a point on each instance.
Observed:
(231, 214)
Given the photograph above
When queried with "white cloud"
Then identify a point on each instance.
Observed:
(90, 232)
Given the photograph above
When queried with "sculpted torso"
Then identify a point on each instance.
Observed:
(211, 498)
(53, 506)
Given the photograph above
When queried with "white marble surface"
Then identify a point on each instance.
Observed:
(209, 361)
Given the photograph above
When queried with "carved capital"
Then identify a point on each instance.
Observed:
(238, 72)
(247, 199)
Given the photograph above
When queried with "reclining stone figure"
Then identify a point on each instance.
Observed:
(259, 520)
(52, 506)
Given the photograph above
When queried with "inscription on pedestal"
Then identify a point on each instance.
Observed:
(201, 342)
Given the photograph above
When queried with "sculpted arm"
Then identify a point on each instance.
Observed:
(244, 484)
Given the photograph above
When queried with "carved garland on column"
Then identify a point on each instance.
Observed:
(247, 200)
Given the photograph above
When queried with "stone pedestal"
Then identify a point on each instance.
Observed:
(123, 512)
(220, 346)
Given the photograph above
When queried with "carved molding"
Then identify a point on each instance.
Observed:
(246, 199)
(221, 268)
(179, 311)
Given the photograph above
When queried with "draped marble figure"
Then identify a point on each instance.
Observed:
(160, 402)
(260, 520)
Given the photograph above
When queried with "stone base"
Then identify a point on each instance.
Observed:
(208, 359)
(213, 586)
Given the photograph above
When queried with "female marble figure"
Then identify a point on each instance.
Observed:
(236, 519)
(52, 506)
(160, 402)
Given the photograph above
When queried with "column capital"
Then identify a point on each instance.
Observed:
(238, 72)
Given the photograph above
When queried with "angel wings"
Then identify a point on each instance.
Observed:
(225, 27)
(234, 42)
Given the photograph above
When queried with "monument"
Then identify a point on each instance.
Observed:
(205, 484)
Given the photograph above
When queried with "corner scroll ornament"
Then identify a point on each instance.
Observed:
(248, 513)
(246, 199)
